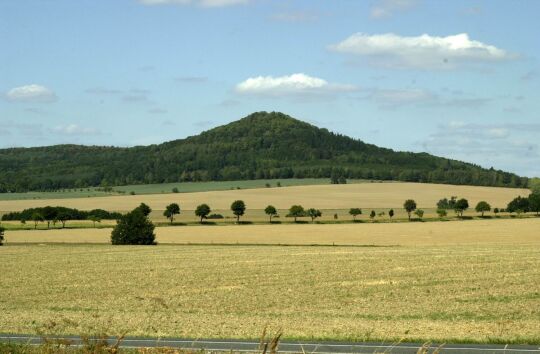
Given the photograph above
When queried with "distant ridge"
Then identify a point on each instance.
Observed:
(261, 145)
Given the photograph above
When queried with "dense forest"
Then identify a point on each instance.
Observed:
(260, 146)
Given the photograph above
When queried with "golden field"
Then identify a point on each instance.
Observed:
(469, 232)
(479, 292)
(363, 195)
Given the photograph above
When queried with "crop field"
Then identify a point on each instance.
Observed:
(478, 292)
(183, 187)
(334, 197)
(473, 232)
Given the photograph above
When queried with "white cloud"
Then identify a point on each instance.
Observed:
(202, 3)
(386, 8)
(295, 84)
(31, 93)
(420, 52)
(74, 129)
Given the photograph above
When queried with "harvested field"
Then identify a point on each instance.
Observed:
(363, 195)
(481, 293)
(504, 231)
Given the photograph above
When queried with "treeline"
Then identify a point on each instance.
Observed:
(260, 146)
(60, 214)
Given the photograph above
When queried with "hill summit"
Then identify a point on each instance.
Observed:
(267, 145)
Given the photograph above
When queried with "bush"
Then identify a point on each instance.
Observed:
(175, 190)
(134, 228)
(215, 216)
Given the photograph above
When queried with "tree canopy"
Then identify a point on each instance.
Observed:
(134, 228)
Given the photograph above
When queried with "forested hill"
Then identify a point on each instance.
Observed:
(261, 145)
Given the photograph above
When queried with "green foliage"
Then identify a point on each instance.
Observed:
(37, 217)
(94, 219)
(409, 206)
(534, 203)
(238, 208)
(145, 209)
(260, 146)
(372, 214)
(460, 206)
(175, 190)
(270, 211)
(482, 207)
(313, 213)
(134, 228)
(2, 230)
(419, 213)
(447, 204)
(518, 205)
(355, 212)
(534, 184)
(202, 211)
(442, 213)
(59, 213)
(296, 211)
(171, 210)
(391, 213)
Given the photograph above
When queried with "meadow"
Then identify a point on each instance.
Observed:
(476, 292)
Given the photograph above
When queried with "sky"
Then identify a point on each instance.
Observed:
(459, 79)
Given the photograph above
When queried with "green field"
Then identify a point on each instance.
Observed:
(184, 187)
(476, 293)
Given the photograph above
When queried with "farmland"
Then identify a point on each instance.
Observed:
(479, 292)
(328, 197)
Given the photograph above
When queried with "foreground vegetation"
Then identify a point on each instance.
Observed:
(481, 292)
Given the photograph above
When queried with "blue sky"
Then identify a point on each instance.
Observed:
(454, 78)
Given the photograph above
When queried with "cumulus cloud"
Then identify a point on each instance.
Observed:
(31, 93)
(202, 3)
(295, 84)
(420, 52)
(387, 8)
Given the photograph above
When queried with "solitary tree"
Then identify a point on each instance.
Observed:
(419, 213)
(314, 213)
(171, 210)
(355, 212)
(270, 211)
(37, 218)
(296, 211)
(482, 207)
(496, 211)
(175, 190)
(202, 211)
(2, 235)
(391, 213)
(409, 206)
(372, 214)
(238, 208)
(133, 228)
(460, 206)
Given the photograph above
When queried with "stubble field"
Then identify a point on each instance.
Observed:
(464, 293)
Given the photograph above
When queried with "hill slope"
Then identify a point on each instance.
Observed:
(261, 145)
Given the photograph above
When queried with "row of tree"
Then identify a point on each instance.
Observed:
(50, 214)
